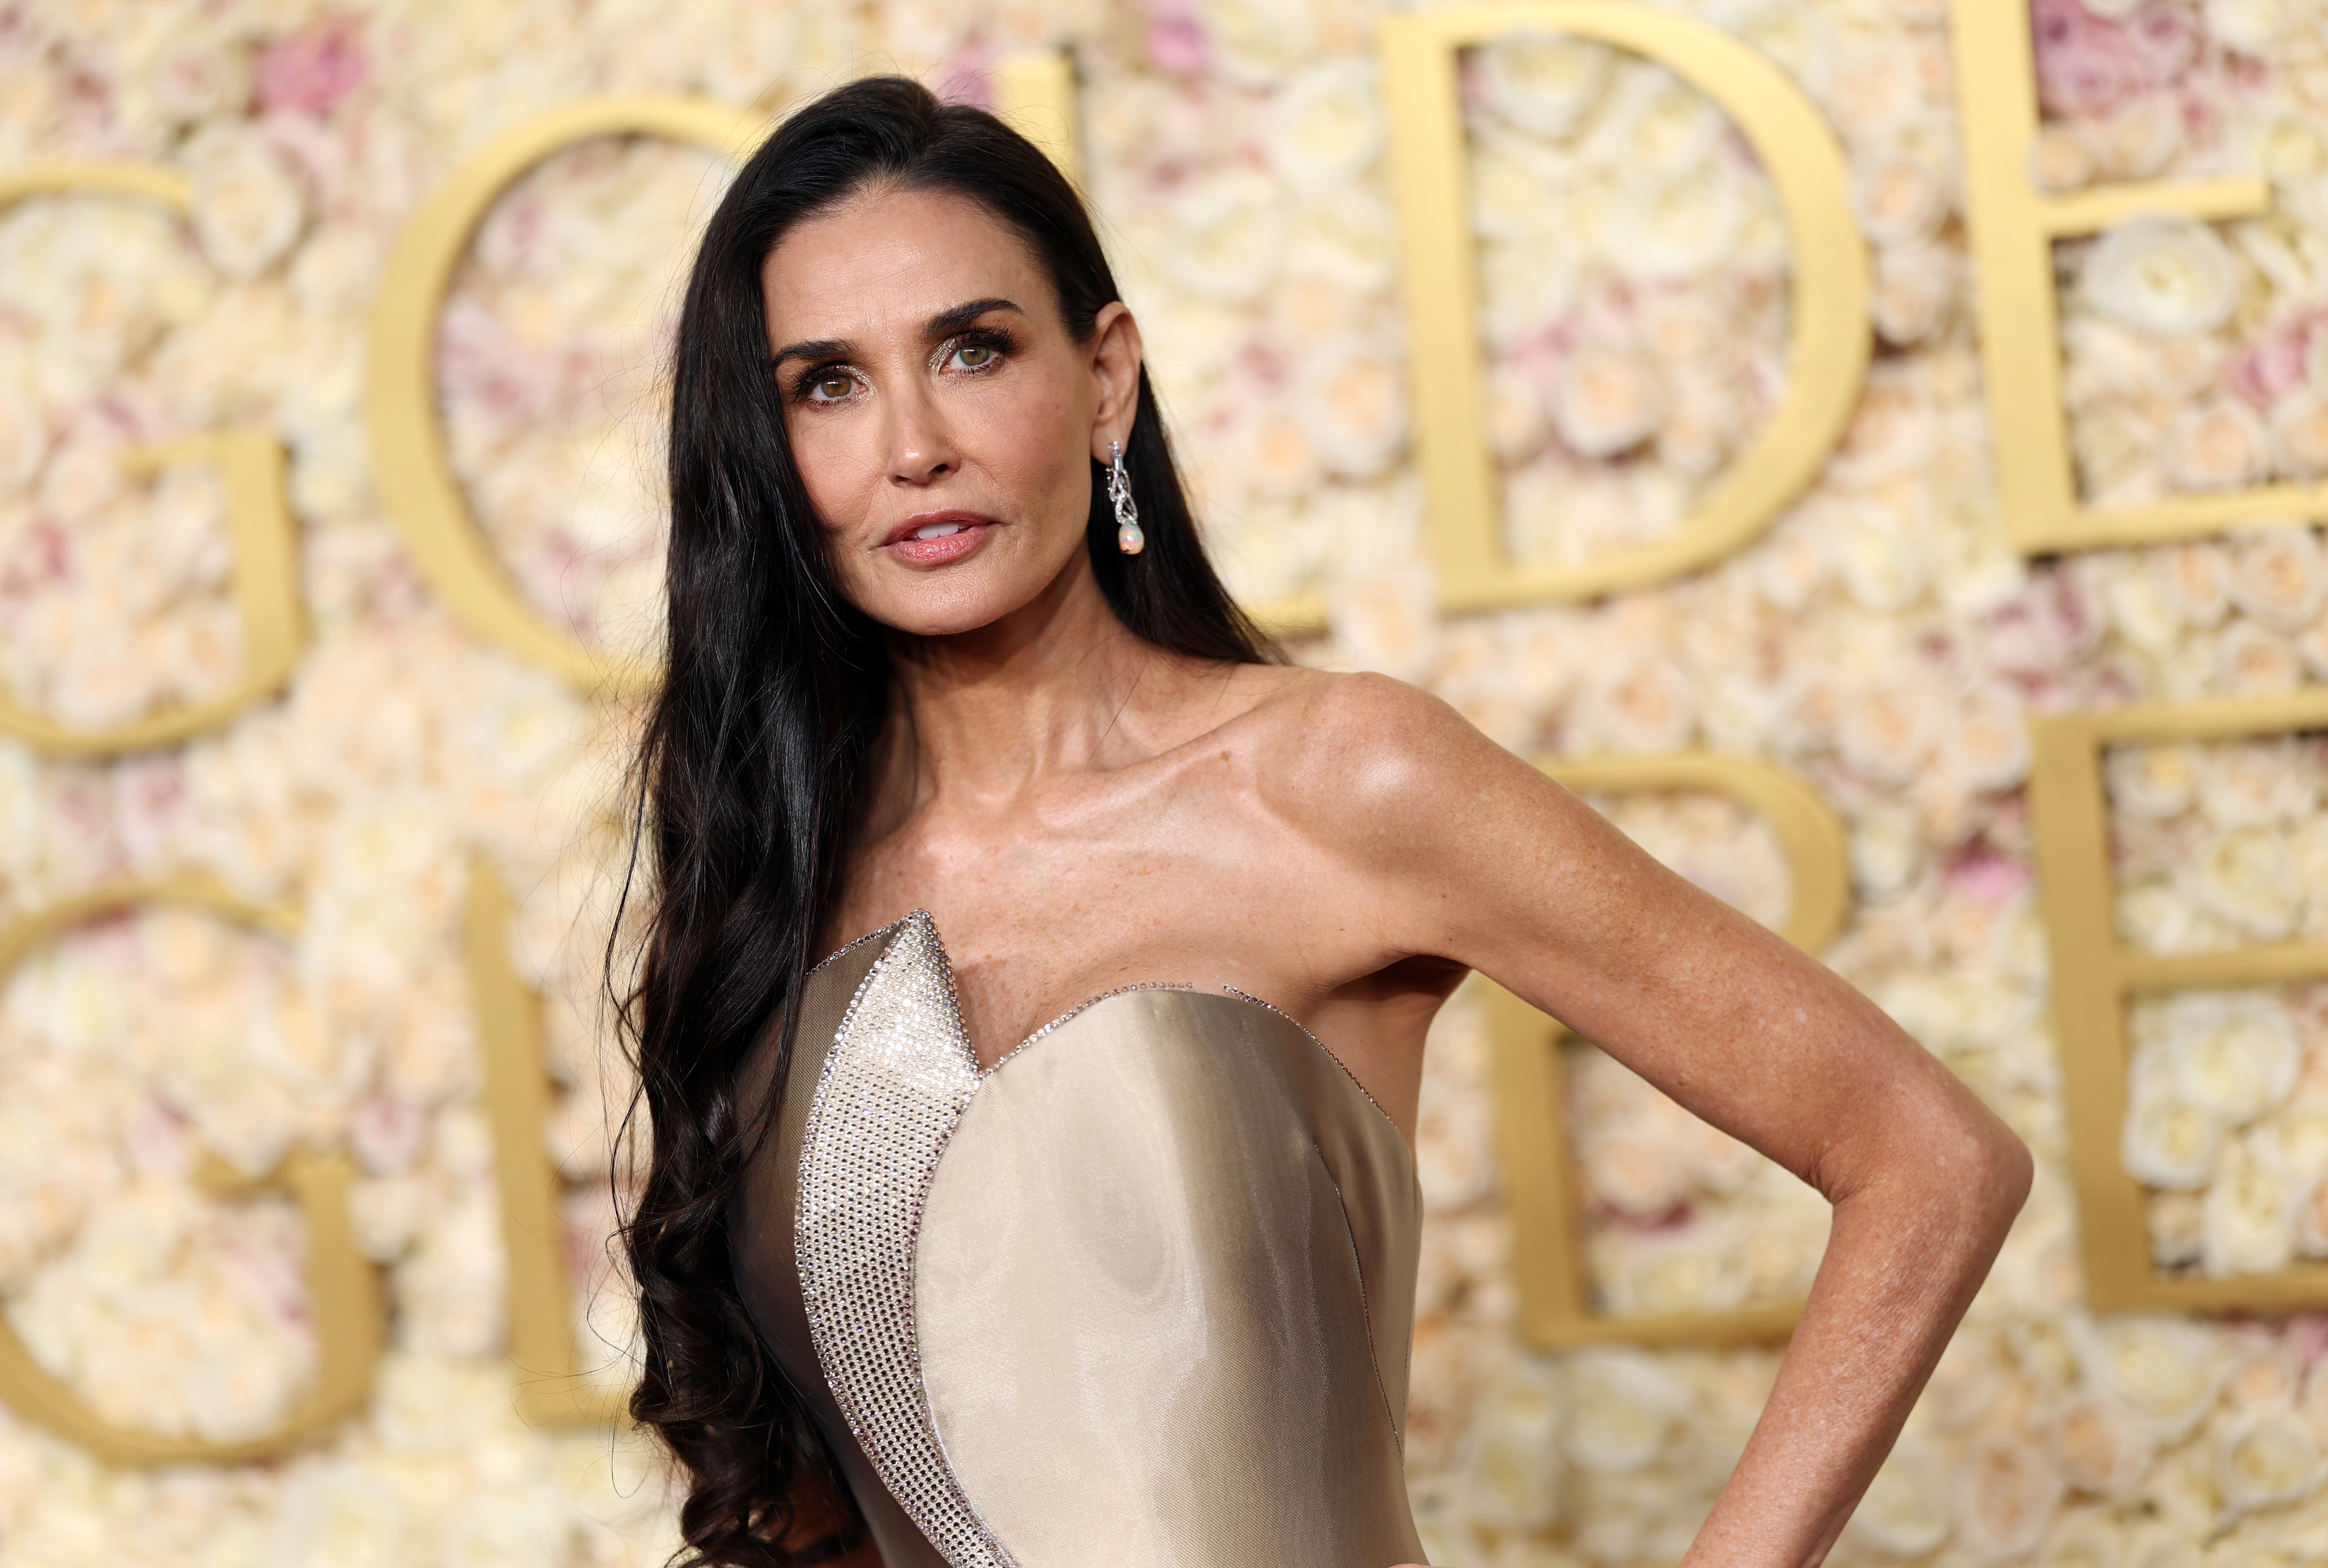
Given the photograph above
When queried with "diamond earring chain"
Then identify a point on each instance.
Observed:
(1128, 537)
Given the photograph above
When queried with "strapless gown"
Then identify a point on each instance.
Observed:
(1141, 1294)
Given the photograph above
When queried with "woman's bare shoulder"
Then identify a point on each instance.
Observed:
(1347, 748)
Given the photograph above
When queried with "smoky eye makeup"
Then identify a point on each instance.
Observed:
(990, 345)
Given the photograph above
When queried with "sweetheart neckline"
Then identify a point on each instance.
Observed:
(954, 994)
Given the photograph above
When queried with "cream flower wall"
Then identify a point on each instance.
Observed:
(1883, 640)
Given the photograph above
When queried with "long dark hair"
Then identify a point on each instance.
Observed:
(756, 756)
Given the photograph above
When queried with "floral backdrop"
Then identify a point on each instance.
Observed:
(1883, 640)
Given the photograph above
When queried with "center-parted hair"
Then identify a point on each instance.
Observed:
(757, 758)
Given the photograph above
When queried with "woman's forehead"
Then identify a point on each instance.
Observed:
(891, 260)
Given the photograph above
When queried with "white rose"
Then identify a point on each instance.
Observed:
(2256, 661)
(1906, 1511)
(1622, 1405)
(1511, 1470)
(2153, 781)
(1258, 41)
(340, 1512)
(247, 206)
(1228, 236)
(1700, 423)
(2005, 1496)
(2162, 275)
(1352, 402)
(1886, 851)
(1656, 125)
(2246, 877)
(2062, 159)
(1680, 228)
(1887, 729)
(1544, 83)
(2232, 1054)
(1348, 237)
(2141, 137)
(2249, 1227)
(2277, 575)
(2250, 26)
(1899, 198)
(2263, 1459)
(2085, 1540)
(1915, 291)
(200, 78)
(2299, 434)
(2162, 1371)
(1387, 618)
(1326, 124)
(2256, 782)
(1522, 291)
(1790, 564)
(1276, 456)
(2295, 1143)
(1695, 1270)
(2155, 1543)
(2216, 445)
(1987, 746)
(2099, 1450)
(1607, 399)
(1515, 421)
(1639, 704)
(2169, 1142)
(2196, 579)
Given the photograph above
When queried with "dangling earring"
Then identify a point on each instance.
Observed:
(1128, 537)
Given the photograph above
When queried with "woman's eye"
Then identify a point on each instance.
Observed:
(974, 356)
(830, 388)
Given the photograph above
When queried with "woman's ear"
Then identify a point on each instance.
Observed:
(1115, 375)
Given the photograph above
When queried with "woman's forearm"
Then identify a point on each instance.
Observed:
(1907, 1251)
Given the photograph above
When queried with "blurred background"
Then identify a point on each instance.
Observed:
(331, 347)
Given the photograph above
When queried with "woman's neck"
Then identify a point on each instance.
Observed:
(1057, 686)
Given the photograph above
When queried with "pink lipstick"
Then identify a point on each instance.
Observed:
(930, 539)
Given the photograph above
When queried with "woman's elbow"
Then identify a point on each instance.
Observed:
(1983, 1171)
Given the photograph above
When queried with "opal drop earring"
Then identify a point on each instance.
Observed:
(1128, 537)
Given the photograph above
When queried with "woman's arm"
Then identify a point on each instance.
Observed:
(1468, 853)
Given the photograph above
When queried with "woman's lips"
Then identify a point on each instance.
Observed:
(934, 538)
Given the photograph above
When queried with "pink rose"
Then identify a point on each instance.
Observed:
(1986, 878)
(2165, 38)
(2275, 365)
(2045, 628)
(2085, 65)
(309, 72)
(1177, 45)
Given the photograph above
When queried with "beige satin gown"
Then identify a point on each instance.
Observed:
(1141, 1294)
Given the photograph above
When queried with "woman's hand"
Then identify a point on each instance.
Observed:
(1456, 848)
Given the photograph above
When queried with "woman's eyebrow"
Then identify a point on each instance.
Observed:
(940, 325)
(813, 349)
(962, 316)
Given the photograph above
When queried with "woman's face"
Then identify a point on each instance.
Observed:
(941, 416)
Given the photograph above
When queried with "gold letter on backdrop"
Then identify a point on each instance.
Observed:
(1556, 1309)
(249, 461)
(553, 1387)
(344, 1293)
(2095, 977)
(2013, 228)
(415, 476)
(1829, 345)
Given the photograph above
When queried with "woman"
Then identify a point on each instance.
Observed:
(956, 706)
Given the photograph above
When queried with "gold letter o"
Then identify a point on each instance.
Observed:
(414, 473)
